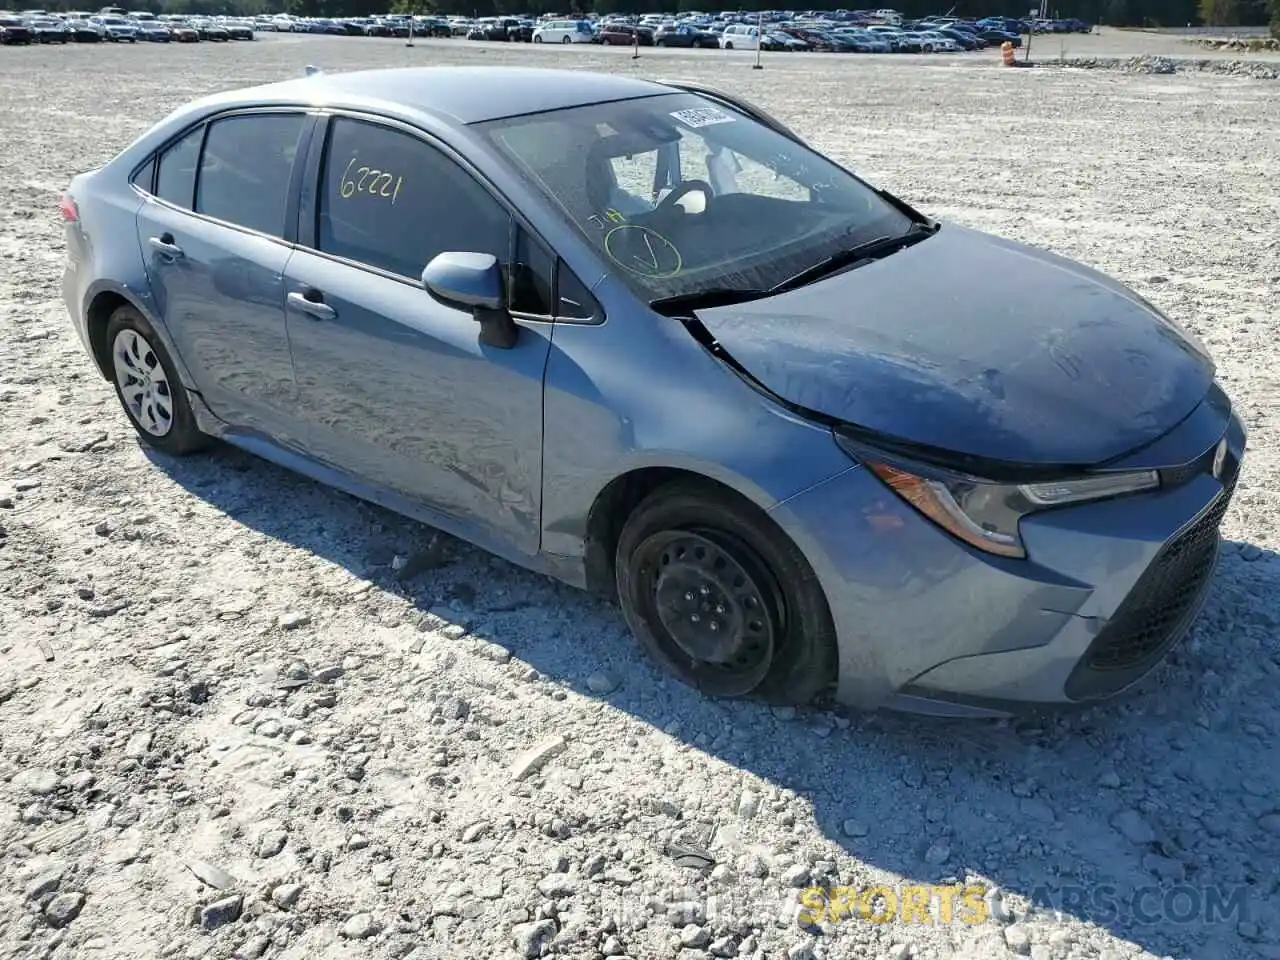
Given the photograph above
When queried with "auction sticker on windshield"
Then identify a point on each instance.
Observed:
(701, 117)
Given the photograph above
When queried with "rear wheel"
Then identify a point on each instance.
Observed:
(148, 387)
(566, 40)
(721, 598)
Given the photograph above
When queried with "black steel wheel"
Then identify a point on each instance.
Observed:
(721, 598)
(714, 606)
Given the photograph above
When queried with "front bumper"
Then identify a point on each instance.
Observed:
(928, 625)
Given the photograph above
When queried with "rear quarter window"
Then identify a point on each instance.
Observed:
(143, 178)
(176, 169)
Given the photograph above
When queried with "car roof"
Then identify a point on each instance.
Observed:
(462, 94)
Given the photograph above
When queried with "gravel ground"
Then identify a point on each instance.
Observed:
(234, 723)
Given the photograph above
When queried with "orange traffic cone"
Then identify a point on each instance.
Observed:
(1006, 53)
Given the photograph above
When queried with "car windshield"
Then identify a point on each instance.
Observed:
(686, 196)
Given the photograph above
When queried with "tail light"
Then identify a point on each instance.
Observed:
(67, 207)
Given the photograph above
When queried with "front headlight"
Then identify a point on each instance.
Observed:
(986, 515)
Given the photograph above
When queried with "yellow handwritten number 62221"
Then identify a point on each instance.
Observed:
(375, 183)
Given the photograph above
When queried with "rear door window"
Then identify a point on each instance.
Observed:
(246, 169)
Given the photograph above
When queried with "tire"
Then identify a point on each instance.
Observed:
(537, 39)
(778, 643)
(566, 40)
(134, 345)
(728, 46)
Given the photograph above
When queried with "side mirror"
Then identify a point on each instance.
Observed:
(473, 281)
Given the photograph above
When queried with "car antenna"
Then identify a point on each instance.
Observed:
(311, 70)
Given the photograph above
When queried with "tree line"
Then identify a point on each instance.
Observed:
(1119, 13)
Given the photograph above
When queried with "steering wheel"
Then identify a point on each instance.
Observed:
(682, 190)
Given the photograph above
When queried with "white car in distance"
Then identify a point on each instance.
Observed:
(564, 31)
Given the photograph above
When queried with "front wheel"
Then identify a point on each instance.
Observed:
(720, 597)
(728, 46)
(537, 39)
(148, 387)
(566, 40)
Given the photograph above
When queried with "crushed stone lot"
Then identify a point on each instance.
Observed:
(243, 715)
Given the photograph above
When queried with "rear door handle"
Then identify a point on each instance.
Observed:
(314, 308)
(164, 244)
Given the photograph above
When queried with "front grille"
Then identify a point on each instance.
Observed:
(1151, 618)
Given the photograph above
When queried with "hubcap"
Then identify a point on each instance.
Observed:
(142, 382)
(715, 611)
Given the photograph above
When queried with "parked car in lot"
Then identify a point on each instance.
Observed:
(898, 39)
(489, 298)
(432, 27)
(814, 38)
(82, 31)
(966, 40)
(489, 28)
(115, 28)
(49, 30)
(211, 30)
(563, 31)
(781, 40)
(684, 35)
(624, 34)
(740, 36)
(372, 27)
(867, 42)
(184, 33)
(1001, 36)
(931, 41)
(15, 32)
(511, 29)
(154, 32)
(239, 29)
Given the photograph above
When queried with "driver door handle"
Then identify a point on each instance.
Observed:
(312, 304)
(164, 244)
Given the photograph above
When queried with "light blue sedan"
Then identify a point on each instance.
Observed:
(642, 338)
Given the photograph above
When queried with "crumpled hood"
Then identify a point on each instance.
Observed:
(977, 345)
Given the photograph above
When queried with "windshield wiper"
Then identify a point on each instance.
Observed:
(855, 256)
(705, 299)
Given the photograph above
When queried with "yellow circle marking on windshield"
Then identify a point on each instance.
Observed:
(654, 255)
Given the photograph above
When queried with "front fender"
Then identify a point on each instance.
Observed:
(636, 392)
